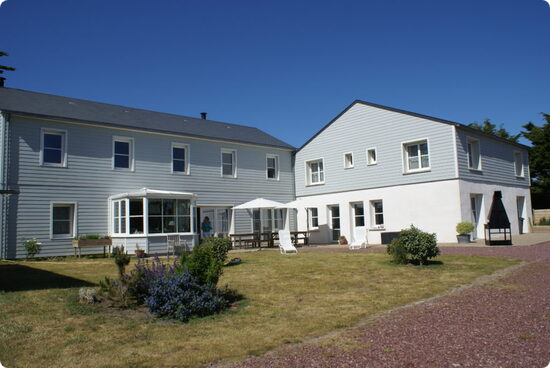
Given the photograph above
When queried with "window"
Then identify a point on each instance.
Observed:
(313, 218)
(518, 164)
(358, 214)
(119, 216)
(136, 216)
(53, 148)
(229, 163)
(371, 156)
(315, 171)
(474, 155)
(377, 214)
(272, 167)
(169, 216)
(417, 157)
(123, 153)
(348, 160)
(267, 220)
(63, 220)
(180, 158)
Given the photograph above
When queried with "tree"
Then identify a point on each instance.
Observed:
(4, 68)
(539, 154)
(488, 127)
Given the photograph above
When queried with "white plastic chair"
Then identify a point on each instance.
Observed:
(285, 243)
(172, 243)
(359, 239)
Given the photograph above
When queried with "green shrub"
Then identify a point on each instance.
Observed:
(420, 246)
(464, 227)
(398, 252)
(203, 264)
(543, 221)
(220, 247)
(122, 259)
(32, 247)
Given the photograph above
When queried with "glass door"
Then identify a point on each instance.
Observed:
(334, 212)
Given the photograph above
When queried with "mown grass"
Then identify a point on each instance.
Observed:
(287, 299)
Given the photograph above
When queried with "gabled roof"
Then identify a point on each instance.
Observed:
(65, 108)
(405, 112)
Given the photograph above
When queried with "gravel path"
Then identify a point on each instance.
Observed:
(501, 324)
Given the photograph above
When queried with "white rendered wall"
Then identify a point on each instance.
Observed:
(509, 199)
(432, 207)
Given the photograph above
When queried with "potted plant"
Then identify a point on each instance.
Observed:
(342, 240)
(140, 253)
(464, 229)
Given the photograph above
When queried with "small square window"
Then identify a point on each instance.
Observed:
(371, 156)
(348, 160)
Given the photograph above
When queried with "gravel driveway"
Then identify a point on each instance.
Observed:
(499, 324)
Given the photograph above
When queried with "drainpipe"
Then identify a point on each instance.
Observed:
(3, 186)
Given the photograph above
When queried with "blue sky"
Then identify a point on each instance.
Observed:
(287, 67)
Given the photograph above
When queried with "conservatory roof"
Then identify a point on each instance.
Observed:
(154, 193)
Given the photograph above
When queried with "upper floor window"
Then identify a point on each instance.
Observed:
(272, 167)
(180, 158)
(54, 152)
(123, 153)
(313, 217)
(229, 163)
(371, 156)
(417, 157)
(518, 164)
(348, 160)
(474, 154)
(315, 172)
(63, 220)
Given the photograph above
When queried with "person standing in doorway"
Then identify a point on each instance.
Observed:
(206, 227)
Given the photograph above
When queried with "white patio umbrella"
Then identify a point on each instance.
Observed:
(297, 204)
(258, 203)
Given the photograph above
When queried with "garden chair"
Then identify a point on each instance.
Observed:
(172, 243)
(359, 239)
(285, 243)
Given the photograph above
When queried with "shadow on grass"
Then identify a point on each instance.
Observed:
(15, 277)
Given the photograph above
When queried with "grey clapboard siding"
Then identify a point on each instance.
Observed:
(363, 127)
(497, 160)
(89, 178)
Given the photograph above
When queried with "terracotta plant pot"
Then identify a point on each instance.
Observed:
(342, 240)
(140, 253)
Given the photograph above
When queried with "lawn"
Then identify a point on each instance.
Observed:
(288, 299)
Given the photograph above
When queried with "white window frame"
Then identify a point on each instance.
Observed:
(187, 158)
(347, 163)
(309, 172)
(522, 168)
(310, 217)
(469, 142)
(373, 224)
(234, 155)
(131, 152)
(276, 157)
(369, 161)
(74, 220)
(64, 141)
(354, 214)
(416, 142)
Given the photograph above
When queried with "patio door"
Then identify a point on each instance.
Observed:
(475, 208)
(358, 216)
(334, 212)
(220, 219)
(521, 208)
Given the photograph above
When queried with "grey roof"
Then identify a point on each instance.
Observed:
(46, 105)
(427, 117)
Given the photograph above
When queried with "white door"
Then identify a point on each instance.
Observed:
(358, 216)
(334, 214)
(521, 215)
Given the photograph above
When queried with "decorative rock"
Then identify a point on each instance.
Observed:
(87, 296)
